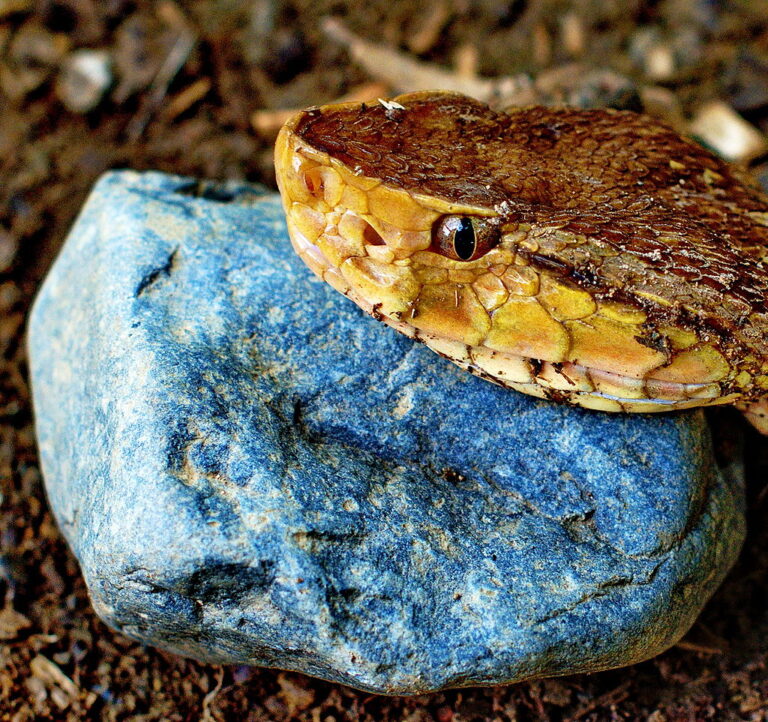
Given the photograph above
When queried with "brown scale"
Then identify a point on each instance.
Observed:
(659, 213)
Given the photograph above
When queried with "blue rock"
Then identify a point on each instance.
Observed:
(250, 470)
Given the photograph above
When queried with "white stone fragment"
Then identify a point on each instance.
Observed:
(84, 78)
(724, 130)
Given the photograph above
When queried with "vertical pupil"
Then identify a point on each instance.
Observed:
(464, 239)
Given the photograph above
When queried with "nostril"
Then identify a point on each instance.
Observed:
(371, 235)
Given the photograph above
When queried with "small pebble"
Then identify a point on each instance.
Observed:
(651, 52)
(659, 62)
(9, 247)
(572, 32)
(35, 47)
(29, 60)
(725, 131)
(762, 176)
(578, 85)
(746, 80)
(84, 78)
(10, 294)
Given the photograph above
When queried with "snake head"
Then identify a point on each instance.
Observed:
(410, 254)
(594, 257)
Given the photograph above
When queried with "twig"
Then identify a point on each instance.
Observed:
(694, 647)
(173, 63)
(424, 39)
(615, 695)
(62, 689)
(761, 496)
(184, 100)
(206, 715)
(406, 75)
(716, 644)
(465, 60)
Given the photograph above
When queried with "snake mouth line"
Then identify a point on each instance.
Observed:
(566, 382)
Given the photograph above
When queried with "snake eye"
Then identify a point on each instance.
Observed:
(464, 238)
(464, 241)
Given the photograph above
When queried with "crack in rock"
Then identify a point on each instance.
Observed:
(150, 279)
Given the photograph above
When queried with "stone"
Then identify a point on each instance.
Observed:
(251, 471)
(744, 78)
(84, 78)
(653, 53)
(720, 127)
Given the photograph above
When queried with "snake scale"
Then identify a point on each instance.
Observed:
(591, 257)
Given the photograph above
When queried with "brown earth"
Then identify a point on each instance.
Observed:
(192, 88)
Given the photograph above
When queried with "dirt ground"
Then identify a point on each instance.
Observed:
(196, 88)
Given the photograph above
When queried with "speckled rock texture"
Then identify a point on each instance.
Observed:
(249, 470)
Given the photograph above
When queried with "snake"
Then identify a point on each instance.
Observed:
(590, 257)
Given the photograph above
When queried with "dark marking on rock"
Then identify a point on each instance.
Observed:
(151, 278)
(226, 582)
(208, 190)
(315, 538)
(349, 593)
(453, 476)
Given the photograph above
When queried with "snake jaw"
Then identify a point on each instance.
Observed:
(561, 308)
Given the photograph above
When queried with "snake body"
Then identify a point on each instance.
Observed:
(592, 257)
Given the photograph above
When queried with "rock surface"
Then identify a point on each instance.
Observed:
(249, 470)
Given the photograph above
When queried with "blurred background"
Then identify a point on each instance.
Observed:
(201, 88)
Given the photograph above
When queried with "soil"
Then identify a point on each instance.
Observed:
(193, 88)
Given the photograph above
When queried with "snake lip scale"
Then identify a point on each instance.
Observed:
(592, 257)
